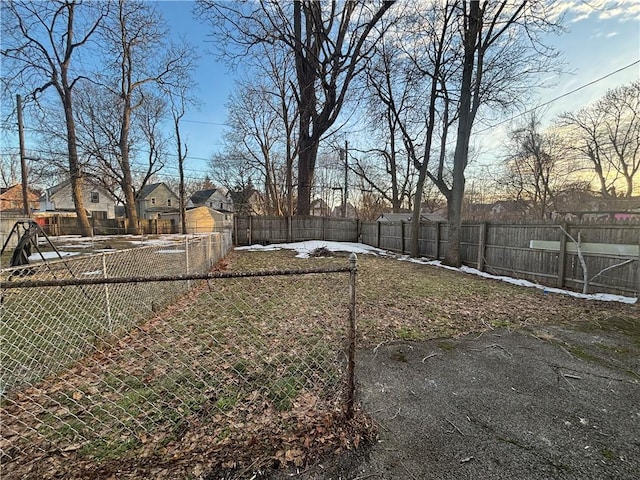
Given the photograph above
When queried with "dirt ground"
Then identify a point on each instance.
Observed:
(537, 403)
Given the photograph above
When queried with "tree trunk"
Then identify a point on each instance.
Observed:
(75, 172)
(127, 180)
(306, 164)
(415, 219)
(465, 122)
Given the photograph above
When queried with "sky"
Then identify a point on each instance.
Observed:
(602, 37)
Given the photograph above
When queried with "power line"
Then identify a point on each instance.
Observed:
(559, 97)
(207, 123)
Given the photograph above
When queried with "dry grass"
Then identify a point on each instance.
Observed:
(397, 301)
(407, 301)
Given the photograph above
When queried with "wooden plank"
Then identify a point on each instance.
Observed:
(588, 248)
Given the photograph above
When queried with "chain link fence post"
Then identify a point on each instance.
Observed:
(106, 294)
(186, 259)
(353, 265)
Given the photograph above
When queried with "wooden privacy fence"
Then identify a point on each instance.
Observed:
(541, 253)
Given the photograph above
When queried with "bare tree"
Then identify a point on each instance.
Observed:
(99, 121)
(390, 102)
(142, 61)
(535, 168)
(179, 101)
(607, 134)
(461, 56)
(40, 44)
(328, 42)
(253, 137)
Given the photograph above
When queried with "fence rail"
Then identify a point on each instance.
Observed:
(126, 368)
(501, 249)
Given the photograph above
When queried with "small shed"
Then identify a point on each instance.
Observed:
(205, 219)
(200, 220)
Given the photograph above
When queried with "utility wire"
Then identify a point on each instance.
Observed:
(490, 127)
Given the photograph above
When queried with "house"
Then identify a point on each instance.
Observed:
(204, 219)
(98, 202)
(319, 208)
(406, 217)
(216, 198)
(247, 201)
(11, 199)
(350, 212)
(157, 201)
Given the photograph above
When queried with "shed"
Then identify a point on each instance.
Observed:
(205, 219)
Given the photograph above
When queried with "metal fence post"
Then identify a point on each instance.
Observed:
(351, 353)
(186, 259)
(106, 293)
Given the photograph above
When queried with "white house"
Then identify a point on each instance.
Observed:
(157, 201)
(98, 202)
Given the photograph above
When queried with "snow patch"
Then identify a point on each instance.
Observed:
(51, 255)
(605, 297)
(305, 248)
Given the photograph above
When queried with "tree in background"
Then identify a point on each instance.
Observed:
(99, 122)
(41, 45)
(502, 53)
(391, 93)
(141, 64)
(254, 137)
(536, 169)
(607, 135)
(328, 42)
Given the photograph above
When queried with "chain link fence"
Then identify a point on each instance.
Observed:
(140, 362)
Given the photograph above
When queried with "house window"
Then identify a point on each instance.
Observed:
(168, 202)
(153, 201)
(221, 207)
(95, 197)
(211, 204)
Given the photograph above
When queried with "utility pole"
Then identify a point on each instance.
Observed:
(23, 159)
(346, 179)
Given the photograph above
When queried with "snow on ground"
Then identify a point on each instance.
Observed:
(304, 248)
(77, 241)
(51, 255)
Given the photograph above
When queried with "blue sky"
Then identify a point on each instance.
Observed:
(599, 41)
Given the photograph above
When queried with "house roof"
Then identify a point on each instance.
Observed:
(201, 195)
(88, 181)
(149, 188)
(6, 191)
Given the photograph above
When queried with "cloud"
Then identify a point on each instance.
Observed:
(579, 10)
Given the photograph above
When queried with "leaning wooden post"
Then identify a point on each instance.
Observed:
(562, 255)
(482, 245)
(351, 353)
